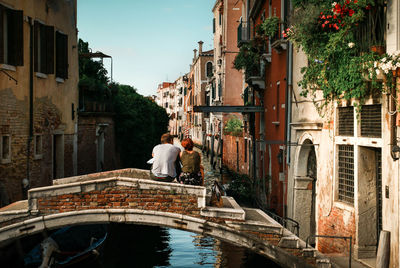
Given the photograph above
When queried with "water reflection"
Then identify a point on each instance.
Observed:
(131, 245)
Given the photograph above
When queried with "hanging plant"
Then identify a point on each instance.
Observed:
(338, 65)
(270, 26)
(249, 56)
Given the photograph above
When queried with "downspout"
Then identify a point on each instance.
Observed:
(288, 113)
(26, 184)
(394, 149)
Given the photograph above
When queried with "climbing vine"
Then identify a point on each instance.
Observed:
(339, 64)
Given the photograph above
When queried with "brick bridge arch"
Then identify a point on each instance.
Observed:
(128, 196)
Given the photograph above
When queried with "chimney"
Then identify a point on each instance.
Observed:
(194, 54)
(200, 47)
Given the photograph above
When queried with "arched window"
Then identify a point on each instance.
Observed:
(209, 69)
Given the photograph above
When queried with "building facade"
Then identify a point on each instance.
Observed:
(38, 92)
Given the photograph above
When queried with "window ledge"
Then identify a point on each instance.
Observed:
(5, 160)
(8, 67)
(344, 206)
(38, 156)
(276, 123)
(41, 75)
(60, 80)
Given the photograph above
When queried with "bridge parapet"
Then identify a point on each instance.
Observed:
(118, 193)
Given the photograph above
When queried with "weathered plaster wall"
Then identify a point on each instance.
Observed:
(52, 101)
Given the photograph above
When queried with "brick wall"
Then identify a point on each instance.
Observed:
(230, 154)
(87, 147)
(336, 224)
(14, 121)
(122, 197)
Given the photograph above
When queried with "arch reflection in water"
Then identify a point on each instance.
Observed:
(129, 245)
(148, 246)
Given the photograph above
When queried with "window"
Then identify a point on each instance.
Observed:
(11, 36)
(44, 48)
(209, 69)
(346, 121)
(346, 173)
(245, 151)
(278, 85)
(5, 149)
(371, 121)
(213, 25)
(61, 55)
(37, 146)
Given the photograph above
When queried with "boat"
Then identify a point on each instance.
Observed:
(67, 246)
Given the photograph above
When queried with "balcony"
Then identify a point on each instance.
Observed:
(278, 42)
(243, 33)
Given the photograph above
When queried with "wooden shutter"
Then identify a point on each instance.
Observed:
(35, 45)
(61, 55)
(15, 38)
(2, 9)
(49, 47)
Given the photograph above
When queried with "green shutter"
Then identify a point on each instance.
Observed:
(49, 46)
(35, 45)
(2, 9)
(15, 38)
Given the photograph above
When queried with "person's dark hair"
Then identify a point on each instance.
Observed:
(167, 138)
(187, 144)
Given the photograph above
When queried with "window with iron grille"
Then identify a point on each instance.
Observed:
(346, 121)
(346, 173)
(371, 121)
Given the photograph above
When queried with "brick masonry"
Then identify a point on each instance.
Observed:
(230, 154)
(87, 146)
(336, 224)
(14, 121)
(124, 198)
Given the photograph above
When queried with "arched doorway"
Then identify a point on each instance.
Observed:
(305, 190)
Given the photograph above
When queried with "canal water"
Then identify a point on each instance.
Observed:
(129, 245)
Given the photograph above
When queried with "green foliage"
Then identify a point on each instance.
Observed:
(234, 126)
(241, 188)
(327, 33)
(92, 75)
(270, 26)
(139, 124)
(249, 57)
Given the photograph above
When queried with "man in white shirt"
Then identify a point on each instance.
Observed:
(165, 159)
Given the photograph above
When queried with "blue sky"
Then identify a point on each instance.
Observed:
(149, 41)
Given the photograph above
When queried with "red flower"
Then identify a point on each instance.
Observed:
(351, 12)
(355, 1)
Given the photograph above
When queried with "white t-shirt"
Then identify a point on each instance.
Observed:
(164, 160)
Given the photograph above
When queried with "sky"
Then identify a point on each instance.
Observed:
(150, 41)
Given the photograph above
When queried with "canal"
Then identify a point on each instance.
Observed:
(129, 245)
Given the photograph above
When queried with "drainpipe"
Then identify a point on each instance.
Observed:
(25, 184)
(394, 148)
(288, 110)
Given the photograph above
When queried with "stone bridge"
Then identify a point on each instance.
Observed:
(129, 196)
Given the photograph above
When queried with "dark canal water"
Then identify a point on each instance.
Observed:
(129, 245)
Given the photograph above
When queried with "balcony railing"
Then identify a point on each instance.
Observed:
(372, 31)
(243, 33)
(278, 42)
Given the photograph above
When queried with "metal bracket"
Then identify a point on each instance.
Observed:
(9, 76)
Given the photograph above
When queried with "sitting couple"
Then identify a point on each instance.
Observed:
(170, 163)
